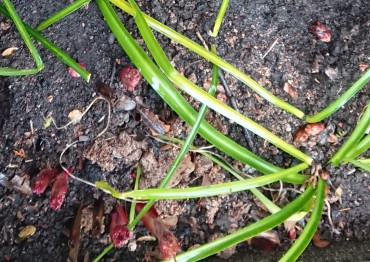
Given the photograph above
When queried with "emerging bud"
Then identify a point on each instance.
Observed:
(169, 246)
(118, 231)
(130, 77)
(59, 190)
(43, 179)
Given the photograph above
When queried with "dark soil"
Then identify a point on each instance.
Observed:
(249, 29)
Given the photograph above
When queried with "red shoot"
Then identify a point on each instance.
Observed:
(43, 179)
(118, 230)
(59, 190)
(321, 32)
(169, 246)
(130, 77)
(73, 73)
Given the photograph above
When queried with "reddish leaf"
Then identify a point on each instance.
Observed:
(73, 73)
(130, 77)
(321, 32)
(59, 190)
(43, 179)
(169, 246)
(118, 231)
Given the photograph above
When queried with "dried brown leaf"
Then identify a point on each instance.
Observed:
(21, 184)
(266, 241)
(317, 241)
(98, 217)
(74, 236)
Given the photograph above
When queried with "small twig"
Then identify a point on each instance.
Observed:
(247, 134)
(329, 214)
(202, 40)
(271, 47)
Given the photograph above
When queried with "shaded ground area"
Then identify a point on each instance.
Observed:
(318, 72)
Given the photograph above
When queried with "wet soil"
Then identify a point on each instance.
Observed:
(319, 72)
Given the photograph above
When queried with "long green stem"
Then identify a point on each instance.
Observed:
(184, 149)
(105, 251)
(360, 148)
(172, 34)
(309, 230)
(200, 191)
(220, 16)
(27, 40)
(61, 14)
(354, 138)
(64, 57)
(196, 92)
(173, 98)
(341, 100)
(265, 224)
(365, 166)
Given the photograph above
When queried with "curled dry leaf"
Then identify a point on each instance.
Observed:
(73, 73)
(9, 51)
(75, 116)
(321, 32)
(130, 77)
(266, 241)
(25, 233)
(317, 241)
(152, 121)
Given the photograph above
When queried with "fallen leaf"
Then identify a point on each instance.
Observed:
(152, 121)
(75, 116)
(290, 89)
(25, 233)
(332, 73)
(21, 184)
(9, 51)
(317, 241)
(74, 236)
(321, 32)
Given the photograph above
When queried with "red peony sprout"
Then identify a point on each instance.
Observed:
(43, 179)
(59, 190)
(118, 231)
(169, 246)
(73, 73)
(321, 32)
(130, 77)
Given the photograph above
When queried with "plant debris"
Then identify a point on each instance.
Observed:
(118, 231)
(130, 77)
(25, 233)
(321, 32)
(74, 236)
(73, 73)
(9, 51)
